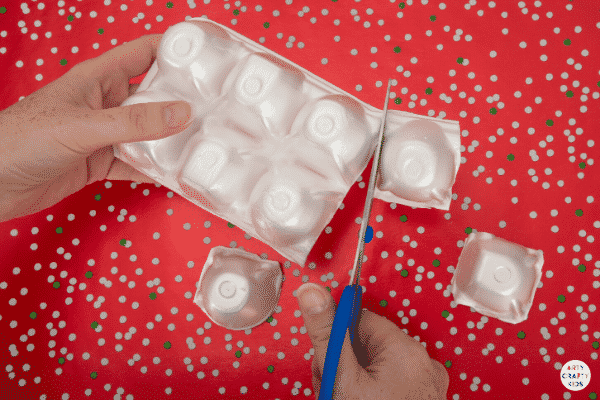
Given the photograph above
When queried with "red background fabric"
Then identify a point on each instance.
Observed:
(488, 364)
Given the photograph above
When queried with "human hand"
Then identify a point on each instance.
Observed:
(59, 139)
(383, 363)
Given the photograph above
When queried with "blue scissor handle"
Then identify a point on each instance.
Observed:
(345, 318)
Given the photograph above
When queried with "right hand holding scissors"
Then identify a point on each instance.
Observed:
(385, 363)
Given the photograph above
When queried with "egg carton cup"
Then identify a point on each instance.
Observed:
(273, 148)
(496, 277)
(238, 290)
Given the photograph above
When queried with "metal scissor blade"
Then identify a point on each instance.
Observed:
(369, 203)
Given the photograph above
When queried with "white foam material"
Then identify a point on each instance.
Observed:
(496, 277)
(238, 290)
(272, 124)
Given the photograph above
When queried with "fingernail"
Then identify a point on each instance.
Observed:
(178, 114)
(312, 301)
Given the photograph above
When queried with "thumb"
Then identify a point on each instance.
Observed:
(133, 123)
(318, 311)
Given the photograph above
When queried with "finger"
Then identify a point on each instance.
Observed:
(132, 88)
(126, 124)
(98, 164)
(130, 59)
(316, 377)
(318, 326)
(388, 350)
(120, 171)
(440, 378)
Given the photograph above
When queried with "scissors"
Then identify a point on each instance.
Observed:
(351, 302)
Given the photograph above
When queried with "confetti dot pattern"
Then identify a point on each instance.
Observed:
(98, 290)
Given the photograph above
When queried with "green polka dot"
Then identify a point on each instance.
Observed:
(89, 274)
(570, 93)
(510, 157)
(270, 368)
(460, 60)
(328, 288)
(521, 335)
(397, 49)
(152, 296)
(567, 42)
(169, 5)
(468, 230)
(428, 91)
(64, 62)
(436, 263)
(61, 360)
(582, 165)
(579, 212)
(581, 268)
(549, 122)
(230, 225)
(97, 197)
(493, 111)
(593, 396)
(266, 24)
(70, 18)
(404, 273)
(433, 18)
(123, 242)
(100, 31)
(398, 100)
(94, 375)
(238, 353)
(448, 364)
(2, 10)
(33, 315)
(236, 12)
(167, 345)
(383, 303)
(335, 1)
(59, 230)
(595, 345)
(403, 218)
(56, 285)
(402, 5)
(598, 84)
(445, 313)
(561, 298)
(270, 319)
(94, 325)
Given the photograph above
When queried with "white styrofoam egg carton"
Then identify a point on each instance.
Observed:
(496, 277)
(273, 148)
